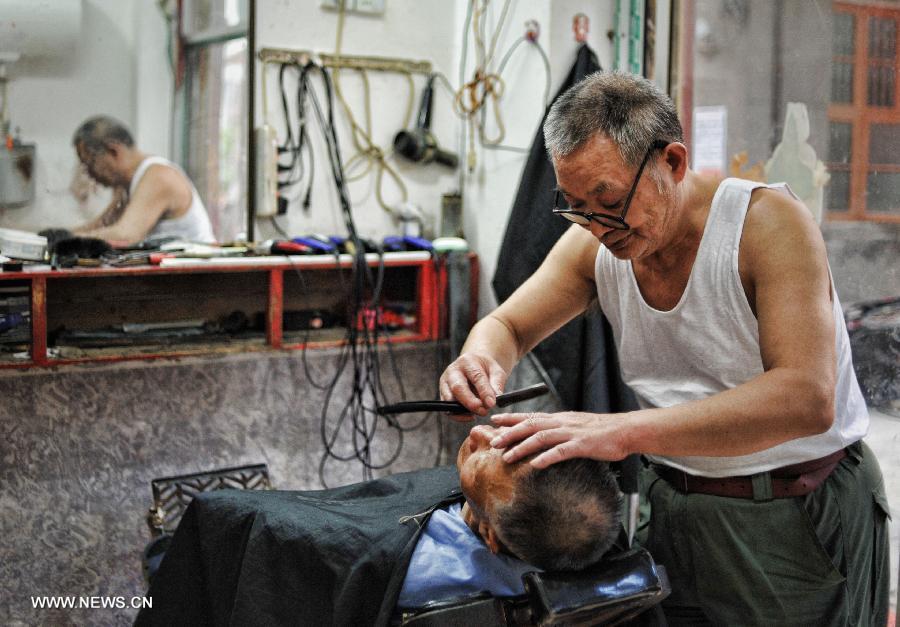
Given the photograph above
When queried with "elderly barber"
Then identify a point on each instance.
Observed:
(152, 197)
(765, 505)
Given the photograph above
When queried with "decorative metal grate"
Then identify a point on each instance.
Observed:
(172, 495)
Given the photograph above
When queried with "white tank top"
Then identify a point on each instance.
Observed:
(193, 226)
(709, 342)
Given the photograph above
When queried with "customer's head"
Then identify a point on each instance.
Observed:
(626, 108)
(103, 144)
(563, 517)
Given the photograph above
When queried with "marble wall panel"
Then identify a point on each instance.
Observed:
(80, 444)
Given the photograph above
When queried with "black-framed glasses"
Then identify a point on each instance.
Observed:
(608, 220)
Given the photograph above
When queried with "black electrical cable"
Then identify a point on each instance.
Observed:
(362, 336)
(279, 228)
(361, 451)
(362, 428)
(439, 359)
(293, 172)
(289, 146)
(302, 87)
(344, 354)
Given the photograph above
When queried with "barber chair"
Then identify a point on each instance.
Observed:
(618, 589)
(172, 495)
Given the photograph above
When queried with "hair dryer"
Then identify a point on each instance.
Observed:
(419, 144)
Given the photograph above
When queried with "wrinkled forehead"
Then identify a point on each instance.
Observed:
(497, 484)
(599, 145)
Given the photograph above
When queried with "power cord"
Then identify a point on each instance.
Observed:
(486, 87)
(360, 347)
(367, 149)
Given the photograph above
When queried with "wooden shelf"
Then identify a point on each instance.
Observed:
(255, 291)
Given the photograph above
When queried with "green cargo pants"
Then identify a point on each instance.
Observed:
(819, 559)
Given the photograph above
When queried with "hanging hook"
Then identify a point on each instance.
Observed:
(581, 26)
(532, 30)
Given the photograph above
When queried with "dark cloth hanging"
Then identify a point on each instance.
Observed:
(580, 358)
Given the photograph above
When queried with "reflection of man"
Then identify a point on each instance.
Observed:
(152, 197)
(765, 506)
(351, 555)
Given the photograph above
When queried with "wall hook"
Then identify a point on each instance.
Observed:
(581, 26)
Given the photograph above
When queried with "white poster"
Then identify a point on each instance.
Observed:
(710, 134)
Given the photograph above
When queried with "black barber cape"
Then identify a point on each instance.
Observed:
(325, 557)
(579, 358)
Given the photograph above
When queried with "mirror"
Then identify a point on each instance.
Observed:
(181, 89)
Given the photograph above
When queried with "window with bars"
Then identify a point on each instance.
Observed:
(864, 114)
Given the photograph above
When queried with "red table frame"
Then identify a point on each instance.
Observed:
(431, 300)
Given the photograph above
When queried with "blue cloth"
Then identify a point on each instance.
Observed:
(450, 560)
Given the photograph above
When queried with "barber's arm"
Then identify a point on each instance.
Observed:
(561, 288)
(159, 190)
(783, 263)
(108, 216)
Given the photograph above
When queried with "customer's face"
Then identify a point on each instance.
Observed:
(486, 480)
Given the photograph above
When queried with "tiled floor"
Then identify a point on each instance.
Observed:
(884, 439)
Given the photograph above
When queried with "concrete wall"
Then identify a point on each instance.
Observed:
(863, 258)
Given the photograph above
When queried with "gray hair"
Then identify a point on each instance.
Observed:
(97, 132)
(563, 517)
(629, 109)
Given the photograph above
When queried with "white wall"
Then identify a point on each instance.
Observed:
(408, 29)
(427, 30)
(153, 77)
(117, 68)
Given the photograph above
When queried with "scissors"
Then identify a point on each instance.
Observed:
(455, 407)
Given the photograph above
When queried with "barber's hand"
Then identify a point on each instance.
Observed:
(560, 436)
(474, 380)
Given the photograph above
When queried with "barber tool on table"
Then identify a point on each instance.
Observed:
(455, 407)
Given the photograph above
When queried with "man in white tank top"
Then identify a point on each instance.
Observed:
(152, 197)
(764, 504)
